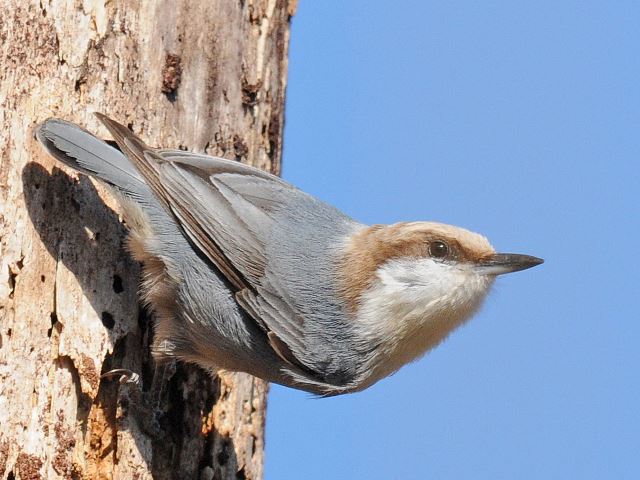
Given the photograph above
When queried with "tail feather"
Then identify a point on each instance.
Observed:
(86, 153)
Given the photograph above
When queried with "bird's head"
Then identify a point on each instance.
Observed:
(408, 285)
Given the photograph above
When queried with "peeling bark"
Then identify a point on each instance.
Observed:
(205, 75)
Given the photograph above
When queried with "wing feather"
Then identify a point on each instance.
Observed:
(230, 211)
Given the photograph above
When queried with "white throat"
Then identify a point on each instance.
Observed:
(413, 305)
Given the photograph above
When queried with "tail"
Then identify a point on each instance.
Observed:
(82, 151)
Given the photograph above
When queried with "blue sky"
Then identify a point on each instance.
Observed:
(520, 120)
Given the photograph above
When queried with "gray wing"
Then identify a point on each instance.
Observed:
(274, 244)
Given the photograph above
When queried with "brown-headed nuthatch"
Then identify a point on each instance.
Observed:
(247, 273)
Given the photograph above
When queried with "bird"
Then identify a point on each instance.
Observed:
(245, 272)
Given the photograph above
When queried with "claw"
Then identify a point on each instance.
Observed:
(142, 408)
(126, 375)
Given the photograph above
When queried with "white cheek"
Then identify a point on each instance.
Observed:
(427, 279)
(426, 287)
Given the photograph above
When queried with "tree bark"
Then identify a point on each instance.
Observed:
(203, 75)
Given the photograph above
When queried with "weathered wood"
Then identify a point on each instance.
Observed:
(204, 75)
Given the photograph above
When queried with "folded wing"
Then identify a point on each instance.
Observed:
(272, 242)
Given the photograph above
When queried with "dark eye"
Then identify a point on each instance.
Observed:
(438, 249)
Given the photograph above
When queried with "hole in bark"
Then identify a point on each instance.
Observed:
(253, 444)
(240, 147)
(11, 476)
(79, 82)
(117, 284)
(171, 96)
(12, 282)
(250, 93)
(54, 320)
(241, 475)
(107, 320)
(171, 76)
(42, 278)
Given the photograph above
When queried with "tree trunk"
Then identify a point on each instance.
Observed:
(203, 75)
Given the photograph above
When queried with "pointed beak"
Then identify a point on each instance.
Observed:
(500, 263)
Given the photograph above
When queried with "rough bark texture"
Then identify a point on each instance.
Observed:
(203, 75)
